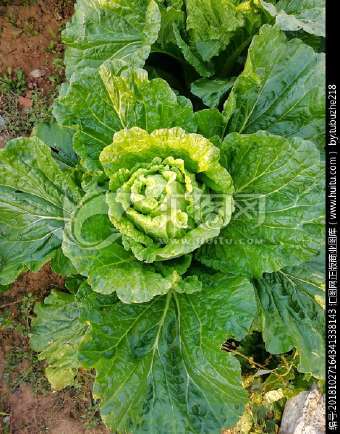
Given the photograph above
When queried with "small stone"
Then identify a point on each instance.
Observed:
(304, 413)
(2, 123)
(37, 73)
(25, 102)
(273, 396)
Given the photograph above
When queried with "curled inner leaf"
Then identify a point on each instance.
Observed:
(170, 199)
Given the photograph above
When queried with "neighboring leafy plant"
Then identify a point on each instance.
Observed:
(305, 15)
(176, 229)
(205, 33)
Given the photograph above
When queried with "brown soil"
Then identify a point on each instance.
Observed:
(27, 32)
(27, 405)
(52, 413)
(30, 42)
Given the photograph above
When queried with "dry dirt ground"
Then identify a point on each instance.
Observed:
(30, 41)
(27, 29)
(29, 44)
(27, 405)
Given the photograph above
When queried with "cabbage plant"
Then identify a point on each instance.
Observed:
(176, 228)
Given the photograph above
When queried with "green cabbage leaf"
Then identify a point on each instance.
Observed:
(306, 15)
(281, 89)
(37, 197)
(291, 314)
(105, 29)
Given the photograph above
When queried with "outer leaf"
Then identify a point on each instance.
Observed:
(291, 316)
(211, 124)
(89, 237)
(59, 139)
(281, 89)
(56, 336)
(85, 106)
(149, 104)
(159, 366)
(62, 265)
(211, 24)
(107, 29)
(294, 15)
(312, 276)
(36, 199)
(136, 282)
(316, 42)
(211, 91)
(278, 220)
(126, 98)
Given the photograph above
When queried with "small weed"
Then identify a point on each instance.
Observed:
(32, 374)
(18, 121)
(91, 415)
(55, 79)
(52, 33)
(52, 47)
(22, 364)
(29, 27)
(58, 76)
(12, 18)
(5, 423)
(24, 308)
(58, 64)
(13, 81)
(5, 321)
